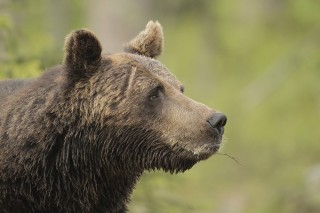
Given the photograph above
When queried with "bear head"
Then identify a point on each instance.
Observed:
(135, 105)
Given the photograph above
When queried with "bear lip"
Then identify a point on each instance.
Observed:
(217, 135)
(216, 144)
(215, 147)
(207, 150)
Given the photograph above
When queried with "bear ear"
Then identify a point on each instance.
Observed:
(82, 52)
(149, 42)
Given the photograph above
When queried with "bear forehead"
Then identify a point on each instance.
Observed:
(150, 65)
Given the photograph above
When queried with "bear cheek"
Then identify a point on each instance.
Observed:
(185, 122)
(181, 128)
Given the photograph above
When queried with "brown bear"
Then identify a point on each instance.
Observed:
(77, 138)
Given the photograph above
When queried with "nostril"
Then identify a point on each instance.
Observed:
(217, 120)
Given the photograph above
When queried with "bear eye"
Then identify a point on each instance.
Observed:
(155, 93)
(182, 89)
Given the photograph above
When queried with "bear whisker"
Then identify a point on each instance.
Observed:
(231, 157)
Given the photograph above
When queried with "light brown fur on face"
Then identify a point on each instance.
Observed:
(180, 120)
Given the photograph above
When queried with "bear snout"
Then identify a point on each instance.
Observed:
(217, 121)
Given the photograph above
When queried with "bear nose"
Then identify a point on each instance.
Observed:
(218, 120)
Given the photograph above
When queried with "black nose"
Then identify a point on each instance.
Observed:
(217, 120)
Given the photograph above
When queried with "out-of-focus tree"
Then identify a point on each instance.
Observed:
(31, 32)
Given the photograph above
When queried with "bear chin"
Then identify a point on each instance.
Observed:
(203, 151)
(184, 159)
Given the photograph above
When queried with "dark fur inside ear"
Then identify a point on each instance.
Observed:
(82, 52)
(149, 42)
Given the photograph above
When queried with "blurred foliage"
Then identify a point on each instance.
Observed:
(29, 41)
(257, 61)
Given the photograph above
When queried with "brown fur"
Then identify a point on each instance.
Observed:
(149, 42)
(7, 87)
(77, 138)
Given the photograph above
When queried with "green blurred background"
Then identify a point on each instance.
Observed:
(258, 61)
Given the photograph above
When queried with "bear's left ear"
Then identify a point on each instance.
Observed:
(82, 53)
(149, 42)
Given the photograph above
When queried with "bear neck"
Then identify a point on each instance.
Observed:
(91, 168)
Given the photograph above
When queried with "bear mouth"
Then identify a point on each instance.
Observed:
(206, 149)
(180, 156)
(210, 147)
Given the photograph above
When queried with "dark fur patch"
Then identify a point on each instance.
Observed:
(82, 53)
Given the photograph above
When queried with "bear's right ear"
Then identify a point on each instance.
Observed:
(82, 53)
